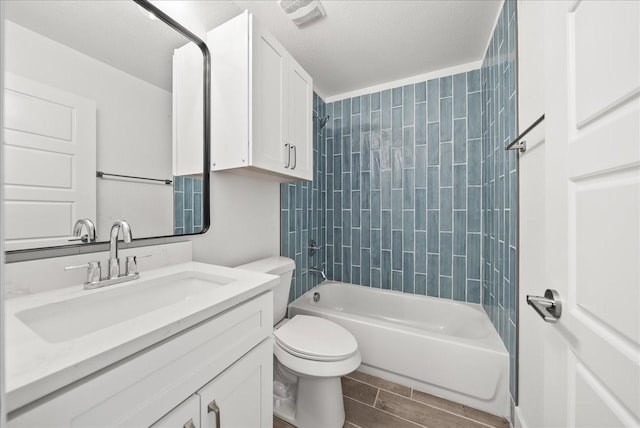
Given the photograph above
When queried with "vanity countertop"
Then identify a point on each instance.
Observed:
(42, 358)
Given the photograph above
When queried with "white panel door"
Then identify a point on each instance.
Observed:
(592, 212)
(49, 163)
(300, 106)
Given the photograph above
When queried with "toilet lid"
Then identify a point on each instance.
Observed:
(315, 338)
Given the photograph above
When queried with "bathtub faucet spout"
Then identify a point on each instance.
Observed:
(320, 271)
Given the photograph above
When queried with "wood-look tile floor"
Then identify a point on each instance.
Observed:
(372, 402)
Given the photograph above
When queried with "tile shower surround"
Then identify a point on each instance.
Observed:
(399, 201)
(302, 215)
(413, 190)
(500, 182)
(403, 180)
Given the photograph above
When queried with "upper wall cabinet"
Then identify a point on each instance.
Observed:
(262, 104)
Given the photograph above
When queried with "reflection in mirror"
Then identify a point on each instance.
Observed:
(92, 106)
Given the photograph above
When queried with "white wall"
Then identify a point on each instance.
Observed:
(532, 222)
(133, 124)
(245, 211)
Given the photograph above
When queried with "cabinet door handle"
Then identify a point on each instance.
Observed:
(189, 424)
(295, 157)
(288, 150)
(213, 407)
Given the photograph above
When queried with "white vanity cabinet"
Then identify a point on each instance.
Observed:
(226, 360)
(235, 398)
(262, 102)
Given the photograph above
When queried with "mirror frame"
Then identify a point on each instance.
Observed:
(64, 250)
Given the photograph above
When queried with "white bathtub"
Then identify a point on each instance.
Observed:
(445, 348)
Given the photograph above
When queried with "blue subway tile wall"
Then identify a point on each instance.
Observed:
(187, 205)
(403, 185)
(302, 214)
(500, 182)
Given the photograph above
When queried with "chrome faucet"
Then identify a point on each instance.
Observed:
(320, 271)
(94, 270)
(114, 261)
(85, 223)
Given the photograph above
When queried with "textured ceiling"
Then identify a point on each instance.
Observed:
(365, 43)
(357, 45)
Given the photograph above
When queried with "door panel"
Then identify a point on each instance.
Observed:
(49, 165)
(54, 169)
(592, 355)
(242, 393)
(608, 198)
(606, 65)
(30, 114)
(269, 103)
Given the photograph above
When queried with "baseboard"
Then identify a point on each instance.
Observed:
(518, 419)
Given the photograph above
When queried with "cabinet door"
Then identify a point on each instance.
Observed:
(186, 415)
(229, 45)
(241, 396)
(269, 76)
(300, 125)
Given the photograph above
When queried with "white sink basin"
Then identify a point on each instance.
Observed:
(70, 319)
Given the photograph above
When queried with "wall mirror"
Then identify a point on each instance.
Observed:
(93, 103)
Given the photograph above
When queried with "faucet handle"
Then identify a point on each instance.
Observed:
(94, 271)
(131, 266)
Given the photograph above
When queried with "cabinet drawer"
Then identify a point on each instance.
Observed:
(138, 390)
(186, 415)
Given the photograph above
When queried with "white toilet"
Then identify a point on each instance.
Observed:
(311, 353)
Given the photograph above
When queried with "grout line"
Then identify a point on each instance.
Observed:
(439, 408)
(387, 412)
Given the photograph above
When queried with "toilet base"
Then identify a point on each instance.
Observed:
(318, 403)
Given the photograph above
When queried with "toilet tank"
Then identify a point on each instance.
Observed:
(282, 267)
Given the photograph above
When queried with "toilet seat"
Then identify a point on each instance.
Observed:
(312, 368)
(316, 339)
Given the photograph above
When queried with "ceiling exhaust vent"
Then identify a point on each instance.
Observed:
(303, 12)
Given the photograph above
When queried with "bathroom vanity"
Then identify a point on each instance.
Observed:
(186, 345)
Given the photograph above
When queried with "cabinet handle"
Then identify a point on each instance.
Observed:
(189, 424)
(213, 407)
(295, 157)
(288, 150)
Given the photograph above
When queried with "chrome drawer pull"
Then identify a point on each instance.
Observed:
(189, 424)
(548, 307)
(295, 157)
(213, 407)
